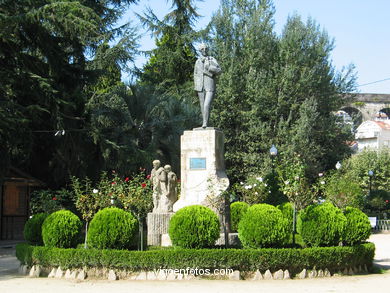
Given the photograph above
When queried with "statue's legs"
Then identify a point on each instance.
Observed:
(207, 105)
(201, 102)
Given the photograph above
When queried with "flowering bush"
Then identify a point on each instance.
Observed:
(49, 201)
(135, 194)
(132, 193)
(89, 200)
(254, 190)
(294, 183)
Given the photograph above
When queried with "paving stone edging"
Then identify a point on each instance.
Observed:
(162, 275)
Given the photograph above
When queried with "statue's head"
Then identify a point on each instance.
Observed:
(203, 48)
(156, 163)
(167, 168)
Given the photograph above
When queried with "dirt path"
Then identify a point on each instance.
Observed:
(10, 282)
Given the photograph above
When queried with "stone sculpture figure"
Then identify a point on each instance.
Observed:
(164, 188)
(154, 177)
(205, 70)
(171, 187)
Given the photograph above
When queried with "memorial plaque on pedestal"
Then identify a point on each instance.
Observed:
(203, 174)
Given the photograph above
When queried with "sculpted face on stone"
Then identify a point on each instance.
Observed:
(205, 70)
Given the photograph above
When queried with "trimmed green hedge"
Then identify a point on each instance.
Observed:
(112, 228)
(61, 229)
(263, 225)
(33, 229)
(237, 211)
(333, 258)
(194, 226)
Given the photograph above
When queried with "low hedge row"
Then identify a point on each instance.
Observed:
(333, 258)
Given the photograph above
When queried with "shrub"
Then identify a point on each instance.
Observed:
(194, 227)
(33, 229)
(378, 201)
(288, 213)
(237, 211)
(295, 260)
(342, 191)
(61, 229)
(50, 201)
(263, 225)
(112, 228)
(321, 225)
(358, 227)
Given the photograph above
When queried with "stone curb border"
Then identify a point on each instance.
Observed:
(161, 275)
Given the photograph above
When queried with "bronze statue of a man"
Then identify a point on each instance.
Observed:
(205, 71)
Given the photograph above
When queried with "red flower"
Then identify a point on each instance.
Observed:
(143, 185)
(127, 179)
(148, 177)
(113, 183)
(387, 201)
(54, 198)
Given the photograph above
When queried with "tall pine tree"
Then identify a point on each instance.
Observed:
(278, 90)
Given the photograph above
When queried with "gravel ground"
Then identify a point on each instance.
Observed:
(11, 282)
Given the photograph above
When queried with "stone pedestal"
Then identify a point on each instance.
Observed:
(203, 175)
(158, 224)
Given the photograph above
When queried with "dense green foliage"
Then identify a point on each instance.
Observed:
(357, 167)
(295, 260)
(357, 228)
(33, 229)
(287, 210)
(170, 65)
(321, 225)
(263, 225)
(49, 201)
(112, 228)
(65, 111)
(61, 229)
(378, 201)
(276, 89)
(350, 185)
(50, 68)
(237, 211)
(194, 227)
(294, 181)
(342, 191)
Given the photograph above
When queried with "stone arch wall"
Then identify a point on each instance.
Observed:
(368, 104)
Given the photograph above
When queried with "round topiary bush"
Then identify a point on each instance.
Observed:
(358, 227)
(321, 225)
(33, 229)
(237, 211)
(112, 228)
(263, 225)
(194, 227)
(61, 229)
(288, 212)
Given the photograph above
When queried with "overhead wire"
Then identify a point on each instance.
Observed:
(377, 81)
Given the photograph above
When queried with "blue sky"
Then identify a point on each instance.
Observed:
(360, 28)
